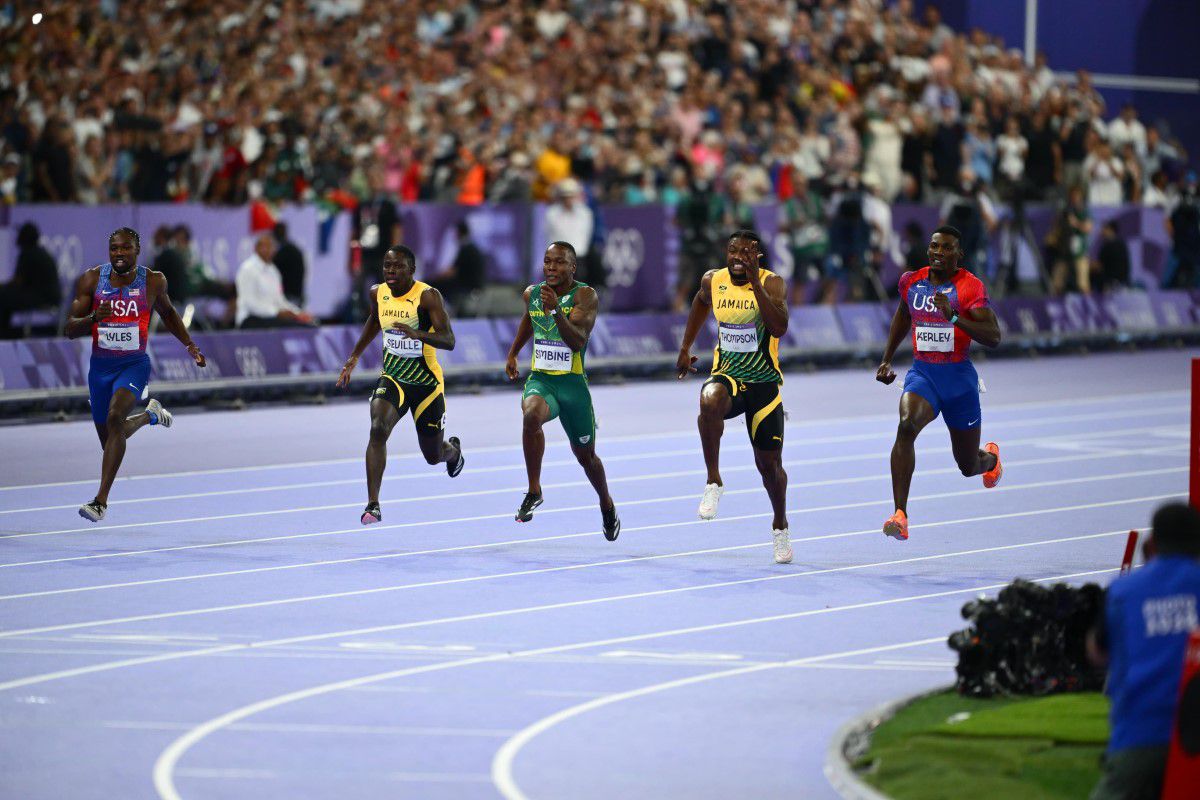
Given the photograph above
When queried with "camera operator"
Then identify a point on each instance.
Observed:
(1142, 634)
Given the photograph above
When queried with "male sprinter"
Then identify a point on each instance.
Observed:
(946, 308)
(114, 302)
(413, 319)
(750, 304)
(560, 313)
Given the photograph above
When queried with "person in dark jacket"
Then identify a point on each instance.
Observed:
(290, 263)
(34, 283)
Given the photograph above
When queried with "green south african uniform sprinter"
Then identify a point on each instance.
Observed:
(559, 316)
(750, 306)
(414, 323)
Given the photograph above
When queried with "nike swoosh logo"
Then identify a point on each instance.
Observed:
(972, 422)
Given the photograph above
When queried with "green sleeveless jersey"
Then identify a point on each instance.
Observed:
(551, 355)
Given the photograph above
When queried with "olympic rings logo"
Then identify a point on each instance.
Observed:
(624, 253)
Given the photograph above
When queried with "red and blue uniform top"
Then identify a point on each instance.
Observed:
(934, 339)
(124, 333)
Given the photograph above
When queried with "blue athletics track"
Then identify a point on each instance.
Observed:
(229, 630)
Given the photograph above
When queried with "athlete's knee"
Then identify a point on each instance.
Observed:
(908, 428)
(115, 422)
(379, 430)
(586, 458)
(532, 420)
(712, 406)
(770, 465)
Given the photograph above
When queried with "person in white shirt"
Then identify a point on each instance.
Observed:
(1127, 129)
(260, 299)
(570, 219)
(1104, 172)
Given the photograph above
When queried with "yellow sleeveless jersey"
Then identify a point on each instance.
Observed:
(406, 360)
(745, 351)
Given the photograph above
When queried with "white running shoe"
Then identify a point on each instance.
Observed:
(165, 418)
(783, 546)
(710, 500)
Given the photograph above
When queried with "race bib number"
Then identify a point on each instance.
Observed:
(935, 338)
(124, 338)
(551, 355)
(398, 344)
(737, 337)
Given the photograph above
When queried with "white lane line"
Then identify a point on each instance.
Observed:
(538, 571)
(316, 728)
(94, 668)
(514, 490)
(860, 420)
(513, 542)
(610, 459)
(164, 767)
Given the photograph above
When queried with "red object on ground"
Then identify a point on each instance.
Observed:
(1183, 761)
(1130, 549)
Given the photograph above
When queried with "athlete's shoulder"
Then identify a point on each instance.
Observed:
(964, 277)
(909, 278)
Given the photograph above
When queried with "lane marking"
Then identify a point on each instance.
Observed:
(164, 766)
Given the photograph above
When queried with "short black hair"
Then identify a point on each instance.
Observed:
(745, 233)
(952, 231)
(28, 235)
(137, 240)
(1177, 530)
(570, 248)
(405, 253)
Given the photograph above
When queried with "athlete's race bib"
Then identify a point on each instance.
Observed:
(551, 355)
(737, 337)
(935, 338)
(398, 344)
(124, 338)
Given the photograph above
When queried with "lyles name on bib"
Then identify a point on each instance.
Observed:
(118, 337)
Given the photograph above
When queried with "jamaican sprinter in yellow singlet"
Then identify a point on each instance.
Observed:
(414, 323)
(750, 305)
(559, 315)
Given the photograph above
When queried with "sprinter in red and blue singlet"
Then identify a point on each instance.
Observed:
(943, 308)
(114, 302)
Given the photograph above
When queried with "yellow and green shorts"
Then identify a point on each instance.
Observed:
(762, 403)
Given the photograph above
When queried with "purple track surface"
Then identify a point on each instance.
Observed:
(231, 631)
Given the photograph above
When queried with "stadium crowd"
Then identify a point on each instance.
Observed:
(707, 107)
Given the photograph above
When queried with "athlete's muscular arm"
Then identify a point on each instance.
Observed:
(701, 305)
(772, 301)
(524, 334)
(156, 284)
(901, 325)
(82, 316)
(978, 323)
(576, 329)
(369, 332)
(441, 337)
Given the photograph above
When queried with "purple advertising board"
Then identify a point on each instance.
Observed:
(500, 231)
(77, 237)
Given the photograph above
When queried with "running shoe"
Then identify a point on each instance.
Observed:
(158, 414)
(525, 512)
(612, 523)
(452, 469)
(93, 511)
(897, 525)
(783, 546)
(371, 514)
(992, 476)
(710, 500)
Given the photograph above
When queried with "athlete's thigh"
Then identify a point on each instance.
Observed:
(384, 414)
(576, 413)
(717, 396)
(428, 405)
(764, 416)
(917, 410)
(539, 398)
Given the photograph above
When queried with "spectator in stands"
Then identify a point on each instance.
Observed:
(1112, 262)
(1070, 243)
(202, 282)
(1103, 172)
(10, 179)
(946, 149)
(1127, 129)
(802, 220)
(1043, 164)
(699, 216)
(260, 299)
(968, 208)
(916, 247)
(34, 284)
(170, 262)
(466, 274)
(1159, 192)
(1148, 616)
(1159, 156)
(1011, 151)
(569, 219)
(849, 241)
(514, 183)
(377, 227)
(289, 260)
(53, 168)
(1183, 226)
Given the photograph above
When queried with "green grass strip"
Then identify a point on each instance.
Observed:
(1044, 748)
